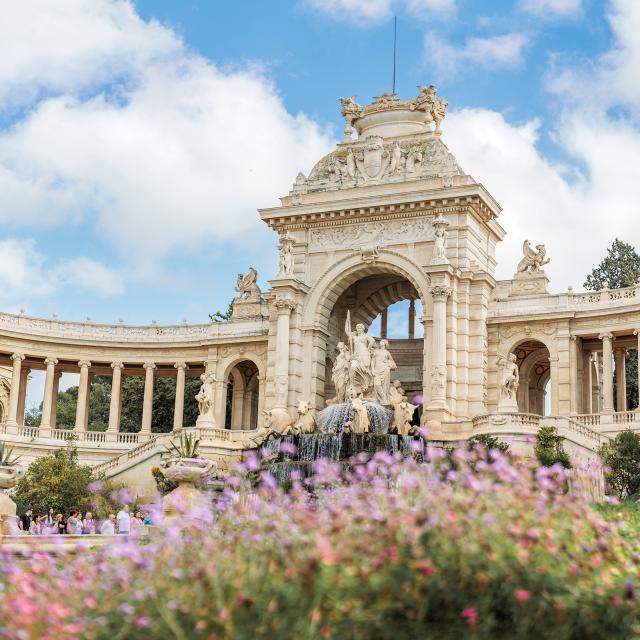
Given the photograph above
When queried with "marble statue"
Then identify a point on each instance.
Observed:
(340, 372)
(279, 421)
(360, 346)
(247, 286)
(351, 111)
(439, 112)
(306, 422)
(440, 237)
(508, 382)
(533, 260)
(255, 438)
(360, 422)
(396, 155)
(286, 256)
(402, 416)
(396, 393)
(382, 364)
(205, 399)
(426, 99)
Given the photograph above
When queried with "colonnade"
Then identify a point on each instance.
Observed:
(599, 394)
(19, 379)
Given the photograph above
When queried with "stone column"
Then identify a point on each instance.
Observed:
(54, 399)
(607, 371)
(412, 319)
(147, 403)
(587, 382)
(384, 316)
(22, 396)
(115, 403)
(48, 400)
(438, 399)
(284, 307)
(83, 394)
(178, 408)
(14, 394)
(621, 379)
(573, 374)
(636, 332)
(86, 413)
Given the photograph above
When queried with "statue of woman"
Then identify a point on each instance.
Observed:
(340, 372)
(381, 367)
(360, 377)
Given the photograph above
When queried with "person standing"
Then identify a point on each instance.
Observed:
(88, 524)
(61, 524)
(24, 524)
(72, 522)
(124, 520)
(108, 527)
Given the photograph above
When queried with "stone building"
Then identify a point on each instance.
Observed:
(389, 215)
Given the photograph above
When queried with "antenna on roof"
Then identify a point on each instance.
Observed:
(395, 20)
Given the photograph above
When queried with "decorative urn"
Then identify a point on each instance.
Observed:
(185, 502)
(187, 470)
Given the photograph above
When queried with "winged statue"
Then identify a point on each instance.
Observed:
(533, 259)
(247, 286)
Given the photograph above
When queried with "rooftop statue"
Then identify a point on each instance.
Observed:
(533, 261)
(247, 286)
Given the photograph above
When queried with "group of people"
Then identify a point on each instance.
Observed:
(75, 523)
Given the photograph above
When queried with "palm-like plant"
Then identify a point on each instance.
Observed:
(7, 459)
(186, 448)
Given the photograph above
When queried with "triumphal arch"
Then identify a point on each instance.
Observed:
(388, 215)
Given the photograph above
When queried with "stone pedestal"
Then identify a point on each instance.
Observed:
(185, 501)
(529, 283)
(247, 309)
(508, 405)
(9, 476)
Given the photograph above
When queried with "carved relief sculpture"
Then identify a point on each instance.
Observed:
(508, 382)
(286, 256)
(440, 235)
(402, 417)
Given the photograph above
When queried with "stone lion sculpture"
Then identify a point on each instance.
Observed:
(279, 421)
(306, 422)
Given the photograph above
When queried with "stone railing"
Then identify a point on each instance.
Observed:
(62, 435)
(136, 452)
(529, 423)
(129, 333)
(588, 419)
(569, 301)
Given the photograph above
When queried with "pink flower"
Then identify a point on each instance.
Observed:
(470, 614)
(522, 595)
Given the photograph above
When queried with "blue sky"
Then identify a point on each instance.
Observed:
(137, 139)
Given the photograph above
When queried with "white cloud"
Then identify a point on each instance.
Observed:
(494, 52)
(552, 8)
(88, 275)
(26, 275)
(577, 214)
(180, 153)
(366, 12)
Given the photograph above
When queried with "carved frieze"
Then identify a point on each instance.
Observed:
(371, 234)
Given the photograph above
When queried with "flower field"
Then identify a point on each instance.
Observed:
(469, 546)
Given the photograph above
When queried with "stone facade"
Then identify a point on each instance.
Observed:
(387, 216)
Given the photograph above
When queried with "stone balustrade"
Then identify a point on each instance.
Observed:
(121, 332)
(569, 301)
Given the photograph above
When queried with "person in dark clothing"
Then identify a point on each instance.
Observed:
(25, 521)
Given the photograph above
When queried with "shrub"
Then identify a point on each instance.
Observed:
(488, 442)
(621, 457)
(388, 548)
(549, 448)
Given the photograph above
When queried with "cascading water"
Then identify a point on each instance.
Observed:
(334, 443)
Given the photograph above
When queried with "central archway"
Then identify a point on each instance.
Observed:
(366, 288)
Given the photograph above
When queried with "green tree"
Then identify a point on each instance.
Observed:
(620, 268)
(56, 480)
(549, 448)
(621, 457)
(222, 316)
